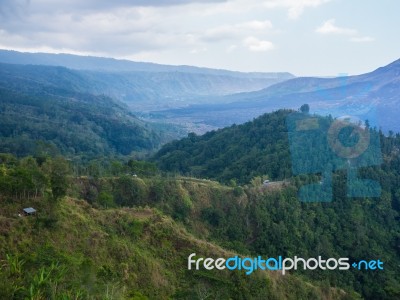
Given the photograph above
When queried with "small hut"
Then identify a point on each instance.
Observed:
(29, 211)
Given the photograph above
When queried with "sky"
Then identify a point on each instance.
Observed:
(304, 37)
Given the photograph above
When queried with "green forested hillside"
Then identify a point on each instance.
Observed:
(239, 152)
(254, 220)
(276, 221)
(256, 148)
(57, 110)
(141, 251)
(94, 249)
(44, 118)
(125, 254)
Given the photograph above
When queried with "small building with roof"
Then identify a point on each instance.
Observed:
(29, 211)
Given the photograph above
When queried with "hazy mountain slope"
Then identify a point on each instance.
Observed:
(369, 82)
(144, 87)
(118, 65)
(128, 86)
(147, 85)
(32, 78)
(374, 96)
(160, 90)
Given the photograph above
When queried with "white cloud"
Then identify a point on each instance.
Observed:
(329, 27)
(104, 5)
(236, 31)
(219, 32)
(295, 7)
(118, 32)
(256, 45)
(255, 25)
(362, 39)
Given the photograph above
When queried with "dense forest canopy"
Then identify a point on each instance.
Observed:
(239, 152)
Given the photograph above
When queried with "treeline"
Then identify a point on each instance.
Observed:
(30, 177)
(34, 176)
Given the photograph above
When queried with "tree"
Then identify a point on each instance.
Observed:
(305, 108)
(142, 168)
(59, 177)
(36, 176)
(106, 199)
(130, 191)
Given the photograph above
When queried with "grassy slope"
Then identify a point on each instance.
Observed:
(122, 254)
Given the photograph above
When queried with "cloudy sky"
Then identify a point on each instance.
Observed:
(305, 37)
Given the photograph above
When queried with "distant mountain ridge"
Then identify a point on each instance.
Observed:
(94, 63)
(149, 86)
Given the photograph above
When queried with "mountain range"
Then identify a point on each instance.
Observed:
(374, 96)
(202, 99)
(147, 86)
